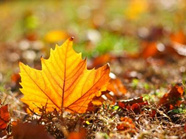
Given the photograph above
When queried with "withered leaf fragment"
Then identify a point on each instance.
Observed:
(4, 117)
(173, 98)
(29, 131)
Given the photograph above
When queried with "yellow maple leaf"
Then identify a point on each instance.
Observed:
(64, 83)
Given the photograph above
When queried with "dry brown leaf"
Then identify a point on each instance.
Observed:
(4, 117)
(29, 131)
(172, 99)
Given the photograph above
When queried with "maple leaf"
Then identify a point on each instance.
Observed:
(64, 83)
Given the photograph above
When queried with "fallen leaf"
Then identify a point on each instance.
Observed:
(78, 135)
(149, 49)
(173, 98)
(133, 104)
(126, 124)
(64, 83)
(4, 117)
(103, 59)
(179, 42)
(115, 89)
(31, 36)
(178, 37)
(29, 131)
(116, 86)
(15, 79)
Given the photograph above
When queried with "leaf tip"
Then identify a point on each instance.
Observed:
(41, 58)
(21, 64)
(108, 65)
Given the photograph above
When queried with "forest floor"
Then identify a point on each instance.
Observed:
(144, 45)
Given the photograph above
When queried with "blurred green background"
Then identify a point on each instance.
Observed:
(99, 26)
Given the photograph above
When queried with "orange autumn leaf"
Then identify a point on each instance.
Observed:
(4, 117)
(173, 98)
(125, 124)
(149, 49)
(117, 87)
(100, 60)
(178, 37)
(64, 83)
